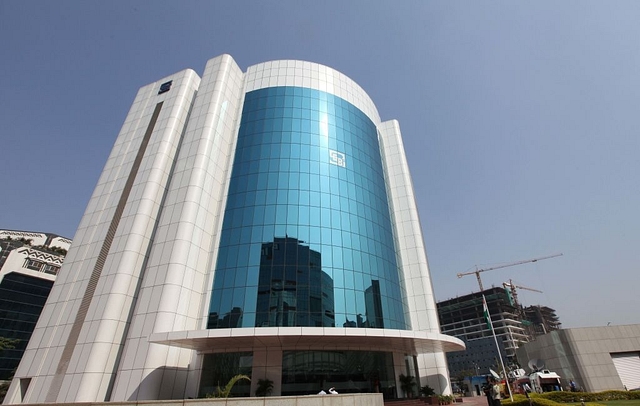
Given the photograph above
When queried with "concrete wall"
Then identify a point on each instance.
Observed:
(351, 399)
(584, 354)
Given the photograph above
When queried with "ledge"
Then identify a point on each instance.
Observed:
(310, 338)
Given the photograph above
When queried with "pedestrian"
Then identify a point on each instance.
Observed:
(486, 388)
(573, 386)
(495, 393)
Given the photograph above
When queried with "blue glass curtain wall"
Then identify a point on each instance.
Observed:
(306, 238)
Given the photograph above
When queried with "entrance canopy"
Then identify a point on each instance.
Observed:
(307, 338)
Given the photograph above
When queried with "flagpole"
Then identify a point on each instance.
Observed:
(485, 308)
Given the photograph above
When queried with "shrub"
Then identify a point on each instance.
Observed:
(559, 397)
(576, 397)
(521, 400)
(265, 386)
(445, 399)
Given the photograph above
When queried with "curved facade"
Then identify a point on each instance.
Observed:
(259, 222)
(307, 238)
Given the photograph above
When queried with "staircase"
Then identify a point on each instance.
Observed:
(421, 402)
(405, 402)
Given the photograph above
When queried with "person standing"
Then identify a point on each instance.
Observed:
(573, 386)
(495, 393)
(486, 388)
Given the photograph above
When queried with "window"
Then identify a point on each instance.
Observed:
(33, 264)
(51, 269)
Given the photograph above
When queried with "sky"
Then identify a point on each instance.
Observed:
(520, 120)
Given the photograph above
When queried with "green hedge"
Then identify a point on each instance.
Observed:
(571, 397)
(521, 400)
(556, 398)
(538, 400)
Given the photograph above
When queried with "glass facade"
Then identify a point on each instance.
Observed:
(306, 239)
(22, 298)
(218, 369)
(307, 372)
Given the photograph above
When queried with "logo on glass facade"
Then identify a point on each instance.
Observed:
(337, 158)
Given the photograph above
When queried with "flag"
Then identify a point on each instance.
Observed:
(509, 295)
(485, 311)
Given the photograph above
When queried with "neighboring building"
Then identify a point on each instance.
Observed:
(480, 356)
(260, 222)
(515, 325)
(463, 318)
(541, 320)
(29, 263)
(596, 358)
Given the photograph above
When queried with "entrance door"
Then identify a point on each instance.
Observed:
(628, 366)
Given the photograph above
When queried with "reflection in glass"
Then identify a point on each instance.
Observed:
(293, 290)
(307, 372)
(308, 165)
(218, 369)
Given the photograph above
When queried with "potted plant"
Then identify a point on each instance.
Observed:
(445, 399)
(429, 394)
(265, 386)
(407, 382)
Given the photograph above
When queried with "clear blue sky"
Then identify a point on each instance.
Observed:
(521, 120)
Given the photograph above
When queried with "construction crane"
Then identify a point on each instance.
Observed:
(512, 287)
(477, 271)
(484, 300)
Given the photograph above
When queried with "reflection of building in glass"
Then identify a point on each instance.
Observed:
(229, 320)
(293, 290)
(304, 371)
(180, 256)
(374, 306)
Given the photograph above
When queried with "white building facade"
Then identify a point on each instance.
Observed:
(259, 222)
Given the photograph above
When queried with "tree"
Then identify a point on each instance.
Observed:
(460, 377)
(226, 391)
(407, 382)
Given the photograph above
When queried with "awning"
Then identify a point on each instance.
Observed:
(309, 338)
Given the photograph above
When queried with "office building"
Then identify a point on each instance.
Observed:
(29, 263)
(261, 222)
(463, 317)
(480, 356)
(540, 320)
